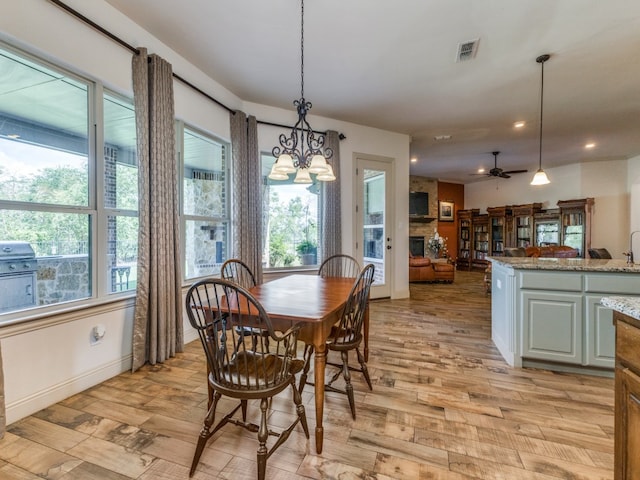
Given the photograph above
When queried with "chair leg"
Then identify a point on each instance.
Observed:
(347, 380)
(308, 353)
(244, 410)
(363, 367)
(263, 434)
(205, 433)
(297, 399)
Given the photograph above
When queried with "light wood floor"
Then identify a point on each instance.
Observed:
(444, 406)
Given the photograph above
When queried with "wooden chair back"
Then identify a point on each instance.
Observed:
(339, 265)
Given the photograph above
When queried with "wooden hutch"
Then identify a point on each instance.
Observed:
(523, 219)
(487, 235)
(575, 224)
(500, 229)
(465, 247)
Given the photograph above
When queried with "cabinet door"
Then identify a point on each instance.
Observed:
(552, 326)
(627, 432)
(600, 335)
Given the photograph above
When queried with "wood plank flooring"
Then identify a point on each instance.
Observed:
(444, 406)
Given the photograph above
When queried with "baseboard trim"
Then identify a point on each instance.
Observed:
(56, 393)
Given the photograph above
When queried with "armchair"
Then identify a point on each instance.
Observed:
(422, 269)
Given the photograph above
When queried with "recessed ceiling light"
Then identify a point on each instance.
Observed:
(590, 145)
(442, 137)
(481, 170)
(519, 124)
(414, 160)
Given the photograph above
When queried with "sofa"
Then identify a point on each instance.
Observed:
(555, 251)
(422, 269)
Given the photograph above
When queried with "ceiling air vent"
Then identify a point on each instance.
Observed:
(467, 50)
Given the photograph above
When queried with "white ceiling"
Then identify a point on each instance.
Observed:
(391, 65)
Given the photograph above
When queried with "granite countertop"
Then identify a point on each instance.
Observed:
(567, 264)
(628, 305)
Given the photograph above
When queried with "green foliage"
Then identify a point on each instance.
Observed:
(289, 224)
(306, 247)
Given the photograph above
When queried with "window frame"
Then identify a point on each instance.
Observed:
(321, 192)
(181, 127)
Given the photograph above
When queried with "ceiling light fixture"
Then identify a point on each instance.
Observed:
(302, 151)
(590, 145)
(518, 124)
(540, 178)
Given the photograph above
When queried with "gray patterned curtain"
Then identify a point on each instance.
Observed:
(3, 417)
(157, 327)
(247, 191)
(331, 212)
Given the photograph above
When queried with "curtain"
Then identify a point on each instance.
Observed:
(3, 418)
(157, 327)
(331, 242)
(247, 191)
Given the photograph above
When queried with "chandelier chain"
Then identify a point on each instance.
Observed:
(302, 50)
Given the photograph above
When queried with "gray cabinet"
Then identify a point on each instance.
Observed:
(552, 318)
(552, 326)
(600, 336)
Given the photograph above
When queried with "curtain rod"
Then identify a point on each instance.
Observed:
(133, 49)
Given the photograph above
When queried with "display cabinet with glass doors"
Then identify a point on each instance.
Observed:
(547, 228)
(500, 229)
(523, 223)
(575, 216)
(465, 220)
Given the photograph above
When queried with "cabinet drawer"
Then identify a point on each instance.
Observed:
(623, 284)
(567, 282)
(628, 345)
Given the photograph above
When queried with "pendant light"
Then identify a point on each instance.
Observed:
(540, 178)
(302, 152)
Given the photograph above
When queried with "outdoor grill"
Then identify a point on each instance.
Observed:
(18, 267)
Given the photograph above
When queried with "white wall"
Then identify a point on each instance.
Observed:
(46, 360)
(606, 182)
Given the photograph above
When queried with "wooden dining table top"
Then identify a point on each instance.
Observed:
(310, 298)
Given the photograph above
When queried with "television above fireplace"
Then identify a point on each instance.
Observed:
(418, 204)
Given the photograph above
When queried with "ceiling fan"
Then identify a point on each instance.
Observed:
(498, 172)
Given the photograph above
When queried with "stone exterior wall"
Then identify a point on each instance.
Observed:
(63, 278)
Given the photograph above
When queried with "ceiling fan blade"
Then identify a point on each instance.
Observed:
(504, 175)
(516, 171)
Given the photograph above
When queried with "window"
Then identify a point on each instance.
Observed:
(120, 193)
(85, 241)
(291, 213)
(205, 203)
(374, 215)
(78, 211)
(45, 180)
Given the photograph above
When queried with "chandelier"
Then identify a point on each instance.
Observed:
(302, 152)
(540, 178)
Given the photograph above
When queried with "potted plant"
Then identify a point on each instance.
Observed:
(307, 249)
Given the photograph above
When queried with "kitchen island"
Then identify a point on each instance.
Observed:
(546, 312)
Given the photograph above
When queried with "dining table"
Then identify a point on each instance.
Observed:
(317, 302)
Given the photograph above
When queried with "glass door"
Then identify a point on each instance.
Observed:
(373, 225)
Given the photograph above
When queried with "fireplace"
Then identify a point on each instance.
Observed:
(416, 246)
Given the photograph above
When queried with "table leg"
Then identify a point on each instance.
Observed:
(320, 361)
(366, 334)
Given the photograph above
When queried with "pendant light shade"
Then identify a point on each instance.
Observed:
(540, 178)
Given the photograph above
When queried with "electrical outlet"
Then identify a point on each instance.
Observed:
(97, 334)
